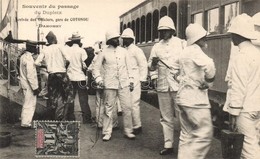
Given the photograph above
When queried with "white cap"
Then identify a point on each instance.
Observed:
(111, 35)
(166, 23)
(256, 19)
(243, 25)
(194, 32)
(128, 33)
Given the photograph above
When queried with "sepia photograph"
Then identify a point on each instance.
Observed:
(130, 79)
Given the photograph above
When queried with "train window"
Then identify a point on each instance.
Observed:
(155, 24)
(128, 25)
(142, 29)
(133, 26)
(148, 27)
(231, 10)
(197, 18)
(121, 27)
(213, 21)
(173, 12)
(163, 11)
(137, 36)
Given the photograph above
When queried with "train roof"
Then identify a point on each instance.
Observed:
(136, 7)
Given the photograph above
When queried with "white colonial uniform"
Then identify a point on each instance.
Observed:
(195, 117)
(245, 96)
(168, 51)
(140, 70)
(100, 99)
(29, 82)
(117, 76)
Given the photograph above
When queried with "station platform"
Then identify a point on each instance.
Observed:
(146, 145)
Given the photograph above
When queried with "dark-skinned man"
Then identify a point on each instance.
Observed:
(163, 54)
(117, 81)
(139, 68)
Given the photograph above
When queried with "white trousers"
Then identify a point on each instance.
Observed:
(196, 133)
(100, 109)
(110, 96)
(29, 106)
(135, 101)
(246, 124)
(167, 108)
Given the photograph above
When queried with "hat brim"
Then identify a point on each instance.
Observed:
(77, 38)
(164, 28)
(194, 39)
(252, 35)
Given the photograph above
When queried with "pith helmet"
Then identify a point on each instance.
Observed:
(256, 19)
(243, 25)
(166, 23)
(194, 32)
(111, 35)
(128, 33)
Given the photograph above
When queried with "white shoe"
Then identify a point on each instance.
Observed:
(107, 137)
(130, 136)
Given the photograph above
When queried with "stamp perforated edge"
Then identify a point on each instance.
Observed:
(58, 156)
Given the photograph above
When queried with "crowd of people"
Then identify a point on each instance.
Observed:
(180, 69)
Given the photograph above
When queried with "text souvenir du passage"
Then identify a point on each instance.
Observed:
(52, 14)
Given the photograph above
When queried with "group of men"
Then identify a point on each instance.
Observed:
(182, 73)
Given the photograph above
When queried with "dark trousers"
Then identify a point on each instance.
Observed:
(80, 87)
(61, 96)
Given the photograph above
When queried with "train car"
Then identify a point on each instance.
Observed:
(143, 20)
(213, 15)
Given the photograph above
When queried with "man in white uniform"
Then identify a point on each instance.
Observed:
(29, 84)
(244, 105)
(197, 72)
(139, 68)
(167, 50)
(100, 94)
(117, 79)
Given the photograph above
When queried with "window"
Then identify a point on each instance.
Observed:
(213, 21)
(163, 11)
(155, 24)
(137, 36)
(173, 12)
(148, 27)
(231, 11)
(197, 18)
(142, 29)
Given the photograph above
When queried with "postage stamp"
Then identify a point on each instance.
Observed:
(57, 138)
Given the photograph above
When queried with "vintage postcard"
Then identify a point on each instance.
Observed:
(63, 63)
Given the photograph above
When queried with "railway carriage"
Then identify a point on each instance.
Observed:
(213, 15)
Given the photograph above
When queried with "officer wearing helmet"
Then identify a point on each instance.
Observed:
(117, 81)
(197, 72)
(139, 68)
(163, 54)
(244, 108)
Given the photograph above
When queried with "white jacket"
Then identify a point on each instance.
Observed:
(28, 74)
(77, 58)
(117, 68)
(138, 63)
(168, 51)
(245, 78)
(194, 67)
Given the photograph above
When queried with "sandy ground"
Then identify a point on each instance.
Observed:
(146, 146)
